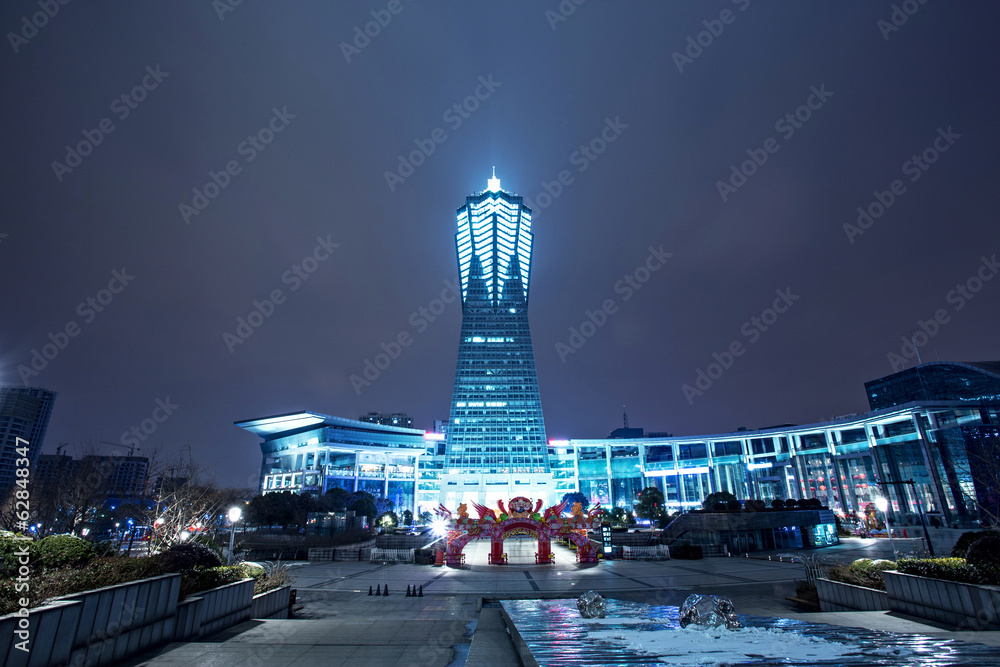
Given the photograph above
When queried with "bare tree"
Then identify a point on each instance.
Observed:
(185, 502)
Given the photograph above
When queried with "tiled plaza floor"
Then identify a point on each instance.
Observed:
(340, 624)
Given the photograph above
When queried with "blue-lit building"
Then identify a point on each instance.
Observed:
(842, 462)
(496, 446)
(309, 452)
(913, 447)
(968, 382)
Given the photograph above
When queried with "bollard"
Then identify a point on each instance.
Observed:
(421, 594)
(370, 591)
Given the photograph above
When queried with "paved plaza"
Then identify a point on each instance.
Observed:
(340, 624)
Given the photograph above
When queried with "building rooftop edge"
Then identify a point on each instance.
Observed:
(272, 424)
(796, 428)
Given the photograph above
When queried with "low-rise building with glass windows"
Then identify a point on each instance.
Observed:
(939, 457)
(309, 452)
(841, 462)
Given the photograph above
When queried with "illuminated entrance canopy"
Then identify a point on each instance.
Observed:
(520, 516)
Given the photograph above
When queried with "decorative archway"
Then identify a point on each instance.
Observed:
(524, 516)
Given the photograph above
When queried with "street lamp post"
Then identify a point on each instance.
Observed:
(920, 509)
(883, 505)
(234, 515)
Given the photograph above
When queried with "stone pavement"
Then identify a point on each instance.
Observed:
(341, 625)
(337, 629)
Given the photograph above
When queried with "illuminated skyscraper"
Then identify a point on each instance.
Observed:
(496, 434)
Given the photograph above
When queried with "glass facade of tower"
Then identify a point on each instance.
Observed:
(496, 424)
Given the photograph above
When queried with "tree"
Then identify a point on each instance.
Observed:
(650, 504)
(185, 502)
(575, 497)
(407, 518)
(383, 505)
(620, 518)
(336, 499)
(388, 520)
(363, 504)
(718, 501)
(426, 517)
(274, 509)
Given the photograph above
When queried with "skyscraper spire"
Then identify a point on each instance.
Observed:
(493, 184)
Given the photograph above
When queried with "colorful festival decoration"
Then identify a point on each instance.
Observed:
(521, 516)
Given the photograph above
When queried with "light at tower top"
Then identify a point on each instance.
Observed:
(493, 184)
(493, 242)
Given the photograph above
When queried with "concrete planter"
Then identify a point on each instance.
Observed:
(272, 604)
(108, 625)
(214, 610)
(838, 596)
(964, 606)
(96, 627)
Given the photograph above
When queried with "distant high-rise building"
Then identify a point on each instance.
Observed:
(53, 469)
(122, 477)
(496, 433)
(395, 419)
(24, 414)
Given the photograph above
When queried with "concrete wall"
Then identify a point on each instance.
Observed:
(108, 625)
(964, 606)
(357, 551)
(272, 604)
(96, 627)
(214, 610)
(838, 596)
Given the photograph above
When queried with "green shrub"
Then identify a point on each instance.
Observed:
(106, 548)
(984, 552)
(58, 551)
(253, 571)
(188, 556)
(98, 573)
(754, 505)
(718, 501)
(966, 539)
(196, 581)
(276, 576)
(9, 546)
(205, 540)
(950, 569)
(862, 572)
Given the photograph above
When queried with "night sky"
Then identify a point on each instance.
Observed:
(676, 117)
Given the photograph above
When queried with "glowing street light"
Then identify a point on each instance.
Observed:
(234, 515)
(882, 504)
(439, 527)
